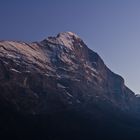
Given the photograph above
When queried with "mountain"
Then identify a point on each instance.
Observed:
(58, 88)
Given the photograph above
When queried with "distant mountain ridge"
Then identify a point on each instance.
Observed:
(60, 85)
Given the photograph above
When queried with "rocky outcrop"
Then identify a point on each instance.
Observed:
(60, 76)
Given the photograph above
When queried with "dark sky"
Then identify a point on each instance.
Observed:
(109, 27)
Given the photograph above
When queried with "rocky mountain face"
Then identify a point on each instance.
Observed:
(60, 89)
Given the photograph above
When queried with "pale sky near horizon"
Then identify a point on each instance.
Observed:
(109, 27)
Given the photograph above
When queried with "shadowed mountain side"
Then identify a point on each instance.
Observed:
(60, 89)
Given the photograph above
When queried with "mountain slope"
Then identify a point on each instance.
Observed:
(60, 87)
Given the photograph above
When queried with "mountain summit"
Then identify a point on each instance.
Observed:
(59, 87)
(67, 39)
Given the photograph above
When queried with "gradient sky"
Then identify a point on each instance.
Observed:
(109, 27)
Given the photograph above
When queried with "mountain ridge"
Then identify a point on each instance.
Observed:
(58, 56)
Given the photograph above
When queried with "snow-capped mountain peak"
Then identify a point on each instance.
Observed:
(68, 35)
(67, 39)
